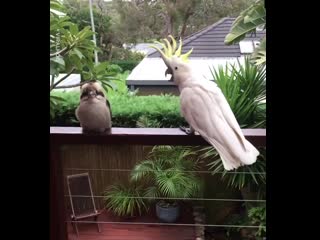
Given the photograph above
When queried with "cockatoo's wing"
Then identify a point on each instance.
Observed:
(205, 108)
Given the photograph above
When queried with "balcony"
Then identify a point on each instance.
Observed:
(67, 142)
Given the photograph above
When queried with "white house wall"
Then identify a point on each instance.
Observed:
(71, 80)
(150, 69)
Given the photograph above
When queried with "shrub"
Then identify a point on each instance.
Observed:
(168, 173)
(125, 201)
(126, 65)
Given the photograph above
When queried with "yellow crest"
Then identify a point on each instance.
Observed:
(170, 51)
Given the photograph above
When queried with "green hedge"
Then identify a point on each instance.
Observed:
(126, 65)
(127, 111)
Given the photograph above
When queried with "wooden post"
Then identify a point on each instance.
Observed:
(58, 225)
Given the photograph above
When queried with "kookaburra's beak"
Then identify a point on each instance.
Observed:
(169, 71)
(92, 93)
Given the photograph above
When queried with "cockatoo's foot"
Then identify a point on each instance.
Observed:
(189, 131)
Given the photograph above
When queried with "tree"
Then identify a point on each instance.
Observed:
(136, 21)
(120, 22)
(210, 11)
(80, 14)
(111, 34)
(178, 13)
(72, 51)
(249, 20)
(153, 19)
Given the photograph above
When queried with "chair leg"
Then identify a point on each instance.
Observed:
(75, 227)
(98, 226)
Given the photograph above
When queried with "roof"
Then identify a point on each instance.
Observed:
(209, 42)
(143, 48)
(209, 51)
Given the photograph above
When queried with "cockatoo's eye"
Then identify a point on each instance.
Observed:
(176, 68)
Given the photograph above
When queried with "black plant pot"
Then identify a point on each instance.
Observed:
(167, 213)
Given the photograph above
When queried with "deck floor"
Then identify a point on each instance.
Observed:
(88, 231)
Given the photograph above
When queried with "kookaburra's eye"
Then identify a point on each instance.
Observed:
(176, 68)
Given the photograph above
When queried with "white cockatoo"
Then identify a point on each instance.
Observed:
(206, 109)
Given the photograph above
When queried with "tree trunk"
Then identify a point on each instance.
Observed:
(169, 26)
(186, 17)
(101, 40)
(110, 53)
(170, 7)
(184, 28)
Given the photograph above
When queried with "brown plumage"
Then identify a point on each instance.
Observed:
(94, 111)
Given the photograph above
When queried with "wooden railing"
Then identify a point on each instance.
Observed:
(60, 136)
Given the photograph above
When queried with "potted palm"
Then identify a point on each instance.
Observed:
(167, 178)
(125, 200)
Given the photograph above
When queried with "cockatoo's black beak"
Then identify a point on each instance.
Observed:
(169, 71)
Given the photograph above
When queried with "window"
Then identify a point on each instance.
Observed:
(247, 47)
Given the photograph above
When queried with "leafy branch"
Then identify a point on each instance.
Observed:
(248, 21)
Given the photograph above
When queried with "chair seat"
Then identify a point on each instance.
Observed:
(86, 215)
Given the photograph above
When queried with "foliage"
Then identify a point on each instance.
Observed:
(140, 21)
(241, 177)
(55, 101)
(126, 65)
(125, 201)
(259, 55)
(122, 54)
(211, 11)
(164, 110)
(244, 87)
(145, 122)
(72, 51)
(126, 58)
(136, 21)
(108, 36)
(257, 216)
(249, 20)
(80, 14)
(105, 73)
(176, 15)
(165, 174)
